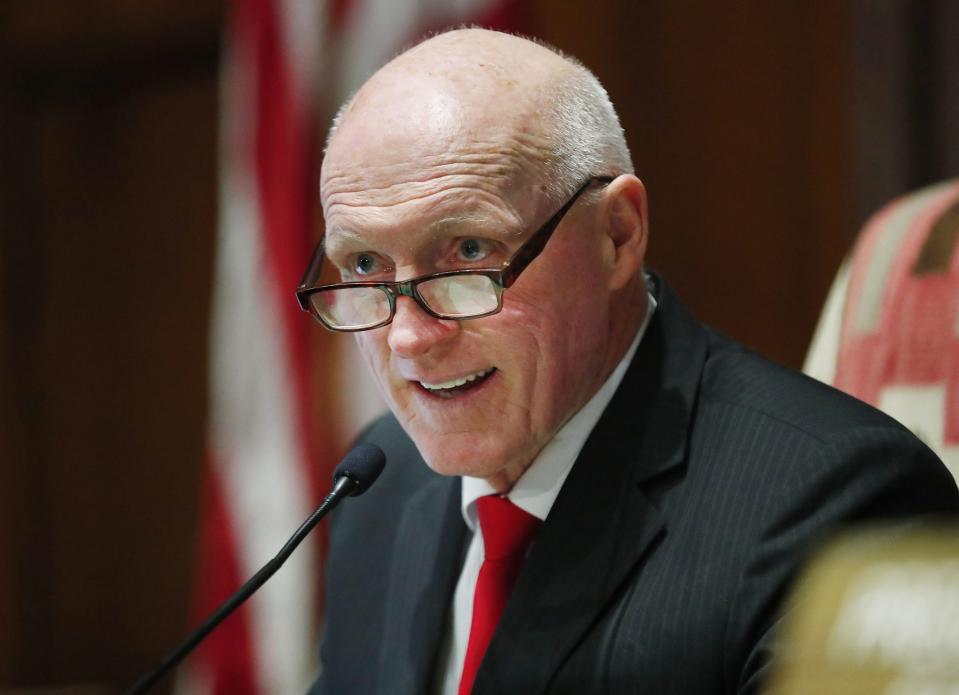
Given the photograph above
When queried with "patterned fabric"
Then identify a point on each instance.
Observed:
(890, 331)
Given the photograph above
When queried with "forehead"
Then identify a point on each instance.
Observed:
(373, 161)
(473, 187)
(418, 152)
(422, 212)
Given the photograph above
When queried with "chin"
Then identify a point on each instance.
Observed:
(476, 456)
(444, 463)
(455, 468)
(454, 454)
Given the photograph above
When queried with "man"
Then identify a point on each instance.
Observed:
(667, 480)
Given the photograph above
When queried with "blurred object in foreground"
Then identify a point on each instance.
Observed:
(877, 612)
(889, 333)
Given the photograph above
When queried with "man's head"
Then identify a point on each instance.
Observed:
(450, 157)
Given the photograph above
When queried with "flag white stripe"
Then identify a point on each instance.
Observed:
(256, 448)
(300, 23)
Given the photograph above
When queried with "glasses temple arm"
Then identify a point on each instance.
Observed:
(313, 269)
(536, 243)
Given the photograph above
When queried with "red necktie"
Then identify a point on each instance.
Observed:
(507, 531)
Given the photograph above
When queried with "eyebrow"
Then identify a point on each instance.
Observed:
(341, 235)
(452, 223)
(347, 237)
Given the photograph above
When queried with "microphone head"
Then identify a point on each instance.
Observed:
(363, 464)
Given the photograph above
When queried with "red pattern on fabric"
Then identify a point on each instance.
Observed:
(228, 652)
(915, 341)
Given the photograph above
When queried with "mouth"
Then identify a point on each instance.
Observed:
(454, 387)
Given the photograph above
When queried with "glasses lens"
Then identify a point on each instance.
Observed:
(460, 296)
(351, 307)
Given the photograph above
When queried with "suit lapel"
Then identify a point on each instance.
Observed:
(602, 523)
(422, 578)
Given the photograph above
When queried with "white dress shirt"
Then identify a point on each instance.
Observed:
(535, 492)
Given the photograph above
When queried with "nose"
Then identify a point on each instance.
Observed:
(414, 333)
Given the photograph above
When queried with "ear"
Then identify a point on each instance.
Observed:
(627, 224)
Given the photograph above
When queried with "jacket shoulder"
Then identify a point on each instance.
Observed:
(739, 378)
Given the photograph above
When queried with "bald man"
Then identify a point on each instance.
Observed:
(656, 484)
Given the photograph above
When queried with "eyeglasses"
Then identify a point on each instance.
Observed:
(455, 294)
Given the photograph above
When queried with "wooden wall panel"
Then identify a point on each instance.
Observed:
(736, 115)
(109, 198)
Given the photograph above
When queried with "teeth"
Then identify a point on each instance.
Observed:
(453, 383)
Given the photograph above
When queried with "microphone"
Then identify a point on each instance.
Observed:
(353, 476)
(362, 466)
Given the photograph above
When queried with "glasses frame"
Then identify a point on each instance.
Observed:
(502, 277)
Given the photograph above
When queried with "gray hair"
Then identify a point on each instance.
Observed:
(585, 137)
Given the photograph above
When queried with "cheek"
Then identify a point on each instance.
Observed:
(554, 349)
(375, 351)
(369, 347)
(565, 310)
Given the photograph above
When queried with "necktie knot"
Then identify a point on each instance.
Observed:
(507, 529)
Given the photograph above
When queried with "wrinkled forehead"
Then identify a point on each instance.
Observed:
(407, 170)
(472, 188)
(435, 160)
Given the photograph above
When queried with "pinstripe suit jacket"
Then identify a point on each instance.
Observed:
(663, 563)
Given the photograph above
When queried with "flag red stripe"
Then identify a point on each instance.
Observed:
(338, 11)
(228, 653)
(506, 15)
(278, 153)
(285, 180)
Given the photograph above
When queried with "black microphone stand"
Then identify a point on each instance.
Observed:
(343, 487)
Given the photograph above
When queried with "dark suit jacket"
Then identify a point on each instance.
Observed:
(663, 563)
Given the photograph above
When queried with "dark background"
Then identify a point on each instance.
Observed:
(764, 131)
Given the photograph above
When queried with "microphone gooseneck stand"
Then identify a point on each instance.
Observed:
(352, 477)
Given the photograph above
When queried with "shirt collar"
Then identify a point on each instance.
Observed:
(539, 486)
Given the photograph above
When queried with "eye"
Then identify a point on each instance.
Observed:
(473, 250)
(364, 265)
